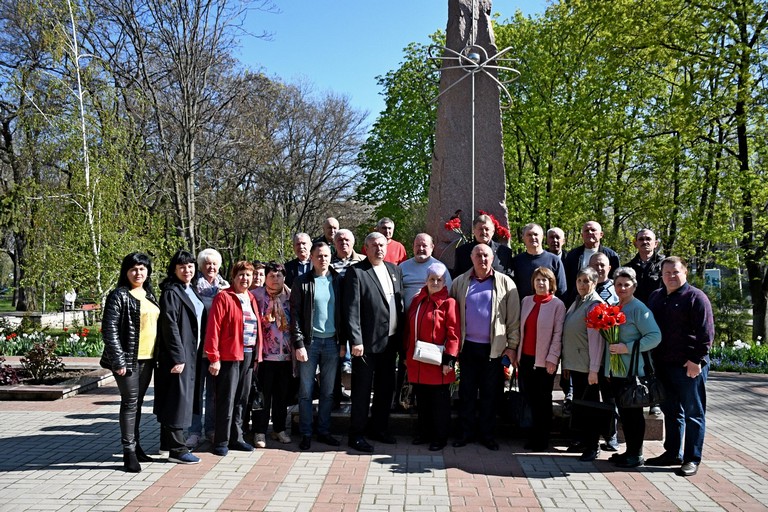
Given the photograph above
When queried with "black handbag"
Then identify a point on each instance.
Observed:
(517, 412)
(590, 416)
(640, 391)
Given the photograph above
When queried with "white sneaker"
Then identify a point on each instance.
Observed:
(193, 441)
(282, 437)
(260, 440)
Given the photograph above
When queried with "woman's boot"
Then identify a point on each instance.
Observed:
(130, 462)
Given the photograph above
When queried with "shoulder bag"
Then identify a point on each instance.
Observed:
(640, 391)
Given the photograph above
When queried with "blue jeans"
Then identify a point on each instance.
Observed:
(325, 353)
(684, 411)
(207, 391)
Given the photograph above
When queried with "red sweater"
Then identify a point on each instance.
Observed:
(438, 323)
(224, 332)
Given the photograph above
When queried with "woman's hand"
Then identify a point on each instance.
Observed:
(446, 369)
(551, 367)
(178, 368)
(120, 372)
(214, 368)
(618, 348)
(592, 378)
(301, 355)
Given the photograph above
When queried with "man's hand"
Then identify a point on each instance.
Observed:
(692, 369)
(214, 368)
(357, 350)
(301, 355)
(178, 368)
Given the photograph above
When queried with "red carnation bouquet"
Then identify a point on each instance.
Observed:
(607, 319)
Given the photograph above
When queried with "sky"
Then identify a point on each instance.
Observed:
(341, 46)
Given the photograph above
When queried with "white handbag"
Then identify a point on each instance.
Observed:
(426, 352)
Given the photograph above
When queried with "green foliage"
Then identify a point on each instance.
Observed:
(42, 361)
(730, 310)
(740, 357)
(397, 156)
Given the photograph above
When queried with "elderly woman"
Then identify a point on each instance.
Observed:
(208, 283)
(276, 368)
(233, 346)
(433, 317)
(640, 327)
(259, 276)
(182, 322)
(541, 329)
(583, 353)
(129, 328)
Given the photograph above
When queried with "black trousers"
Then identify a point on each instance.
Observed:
(607, 394)
(133, 386)
(536, 385)
(372, 372)
(483, 374)
(434, 411)
(274, 381)
(233, 384)
(632, 420)
(583, 391)
(172, 439)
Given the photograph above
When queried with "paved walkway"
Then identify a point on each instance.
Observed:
(65, 455)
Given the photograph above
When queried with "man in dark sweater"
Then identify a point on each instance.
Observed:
(684, 315)
(534, 257)
(483, 231)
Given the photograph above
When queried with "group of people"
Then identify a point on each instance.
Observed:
(382, 316)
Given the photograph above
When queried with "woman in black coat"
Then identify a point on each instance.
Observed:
(182, 323)
(129, 329)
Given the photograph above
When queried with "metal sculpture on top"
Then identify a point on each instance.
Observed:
(473, 59)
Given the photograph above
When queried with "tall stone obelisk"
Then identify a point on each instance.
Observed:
(450, 186)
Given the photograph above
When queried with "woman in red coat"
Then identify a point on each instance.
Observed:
(433, 318)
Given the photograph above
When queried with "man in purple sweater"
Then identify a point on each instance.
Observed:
(684, 315)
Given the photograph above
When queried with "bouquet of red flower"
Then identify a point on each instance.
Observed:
(454, 224)
(607, 319)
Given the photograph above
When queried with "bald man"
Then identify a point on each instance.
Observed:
(578, 258)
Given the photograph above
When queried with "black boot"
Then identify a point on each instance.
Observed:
(130, 462)
(141, 455)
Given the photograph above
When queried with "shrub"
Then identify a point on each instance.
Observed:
(740, 357)
(8, 375)
(42, 361)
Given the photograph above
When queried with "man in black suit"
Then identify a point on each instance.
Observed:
(299, 265)
(373, 306)
(483, 230)
(578, 258)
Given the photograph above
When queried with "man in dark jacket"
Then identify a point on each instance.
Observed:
(647, 265)
(684, 315)
(315, 333)
(483, 231)
(373, 308)
(578, 258)
(300, 264)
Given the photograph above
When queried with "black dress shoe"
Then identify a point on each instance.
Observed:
(328, 439)
(436, 446)
(306, 443)
(384, 437)
(461, 442)
(590, 455)
(491, 444)
(607, 447)
(418, 440)
(361, 445)
(665, 459)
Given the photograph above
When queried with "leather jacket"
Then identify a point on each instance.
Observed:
(120, 327)
(303, 304)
